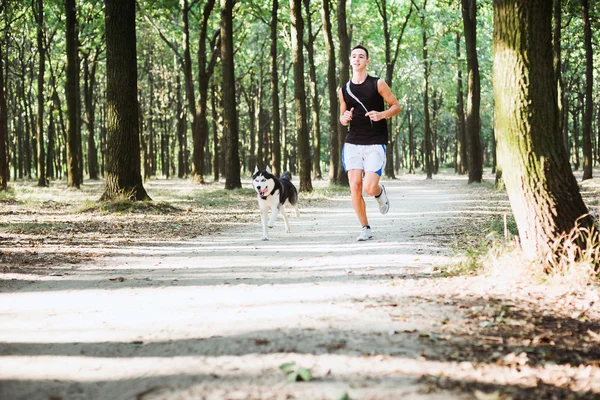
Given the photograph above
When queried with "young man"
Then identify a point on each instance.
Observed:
(363, 156)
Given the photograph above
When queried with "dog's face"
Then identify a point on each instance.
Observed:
(263, 181)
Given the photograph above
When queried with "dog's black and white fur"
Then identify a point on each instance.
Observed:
(274, 194)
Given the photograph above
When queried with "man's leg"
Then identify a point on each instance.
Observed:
(355, 178)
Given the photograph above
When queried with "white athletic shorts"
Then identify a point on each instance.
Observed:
(369, 158)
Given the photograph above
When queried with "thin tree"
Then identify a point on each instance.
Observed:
(230, 121)
(473, 117)
(41, 155)
(73, 172)
(4, 170)
(206, 67)
(390, 64)
(333, 120)
(542, 190)
(428, 145)
(461, 132)
(344, 41)
(302, 136)
(123, 171)
(588, 111)
(314, 93)
(276, 129)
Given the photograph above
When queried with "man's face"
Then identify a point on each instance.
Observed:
(358, 59)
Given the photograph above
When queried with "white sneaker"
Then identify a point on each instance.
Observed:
(365, 234)
(382, 200)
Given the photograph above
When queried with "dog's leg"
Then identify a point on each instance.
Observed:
(285, 219)
(274, 213)
(263, 220)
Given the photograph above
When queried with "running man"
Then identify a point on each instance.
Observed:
(362, 107)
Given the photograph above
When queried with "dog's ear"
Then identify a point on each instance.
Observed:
(268, 169)
(256, 169)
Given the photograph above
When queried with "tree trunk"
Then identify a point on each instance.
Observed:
(123, 175)
(344, 77)
(4, 167)
(230, 122)
(302, 136)
(461, 132)
(542, 190)
(73, 173)
(427, 128)
(473, 118)
(588, 111)
(276, 127)
(334, 151)
(557, 53)
(41, 155)
(314, 95)
(205, 71)
(90, 111)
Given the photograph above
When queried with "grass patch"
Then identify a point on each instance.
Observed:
(475, 250)
(124, 206)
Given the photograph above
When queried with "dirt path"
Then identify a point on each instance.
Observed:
(214, 317)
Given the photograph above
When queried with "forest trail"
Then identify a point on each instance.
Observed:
(215, 316)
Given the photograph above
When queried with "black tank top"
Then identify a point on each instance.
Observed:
(361, 129)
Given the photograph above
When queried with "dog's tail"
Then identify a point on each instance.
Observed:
(286, 175)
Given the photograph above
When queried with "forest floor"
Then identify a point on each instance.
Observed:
(180, 299)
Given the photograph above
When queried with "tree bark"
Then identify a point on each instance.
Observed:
(542, 190)
(123, 175)
(205, 71)
(427, 121)
(588, 111)
(314, 95)
(302, 136)
(473, 118)
(90, 111)
(4, 167)
(461, 132)
(557, 63)
(344, 41)
(334, 150)
(230, 122)
(276, 121)
(73, 173)
(41, 155)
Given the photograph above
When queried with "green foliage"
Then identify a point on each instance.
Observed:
(293, 374)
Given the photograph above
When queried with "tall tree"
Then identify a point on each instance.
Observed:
(428, 145)
(344, 40)
(276, 129)
(588, 111)
(41, 155)
(334, 153)
(72, 94)
(205, 70)
(4, 170)
(542, 190)
(230, 121)
(314, 93)
(302, 136)
(461, 132)
(473, 118)
(123, 171)
(390, 64)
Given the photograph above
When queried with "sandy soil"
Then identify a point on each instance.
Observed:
(215, 316)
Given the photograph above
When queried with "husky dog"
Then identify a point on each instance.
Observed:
(274, 194)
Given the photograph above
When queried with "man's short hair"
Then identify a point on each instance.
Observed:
(361, 47)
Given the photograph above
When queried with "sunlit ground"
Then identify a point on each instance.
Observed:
(187, 302)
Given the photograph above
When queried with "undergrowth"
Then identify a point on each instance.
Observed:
(572, 259)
